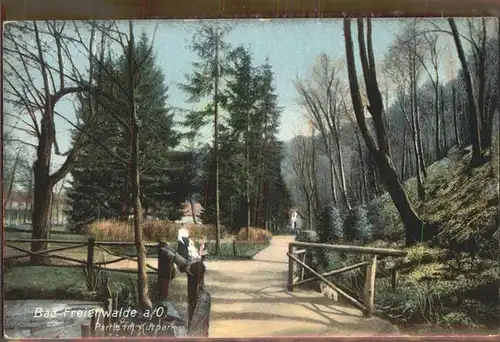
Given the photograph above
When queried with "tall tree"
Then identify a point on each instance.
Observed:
(323, 100)
(474, 121)
(36, 50)
(379, 148)
(268, 150)
(101, 183)
(204, 82)
(240, 102)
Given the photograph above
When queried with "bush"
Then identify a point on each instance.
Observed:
(356, 225)
(255, 235)
(385, 220)
(153, 231)
(410, 303)
(330, 225)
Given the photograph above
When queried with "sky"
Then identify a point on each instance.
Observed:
(292, 46)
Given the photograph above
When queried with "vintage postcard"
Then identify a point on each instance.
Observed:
(251, 178)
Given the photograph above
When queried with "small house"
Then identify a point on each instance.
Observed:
(296, 220)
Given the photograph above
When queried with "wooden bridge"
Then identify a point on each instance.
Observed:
(367, 304)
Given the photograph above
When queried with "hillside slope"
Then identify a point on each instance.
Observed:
(454, 284)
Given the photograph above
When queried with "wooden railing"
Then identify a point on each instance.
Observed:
(198, 298)
(367, 304)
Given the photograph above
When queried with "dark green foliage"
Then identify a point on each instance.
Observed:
(357, 226)
(250, 101)
(330, 228)
(101, 184)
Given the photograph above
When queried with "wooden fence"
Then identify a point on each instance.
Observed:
(367, 305)
(198, 298)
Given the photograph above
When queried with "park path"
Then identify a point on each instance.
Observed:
(249, 299)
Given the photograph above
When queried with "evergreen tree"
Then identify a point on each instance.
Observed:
(205, 82)
(240, 99)
(101, 184)
(357, 226)
(330, 229)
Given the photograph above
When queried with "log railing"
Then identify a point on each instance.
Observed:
(198, 298)
(370, 265)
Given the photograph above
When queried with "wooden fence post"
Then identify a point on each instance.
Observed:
(85, 330)
(164, 271)
(234, 247)
(302, 269)
(369, 290)
(195, 275)
(200, 322)
(90, 253)
(107, 319)
(290, 269)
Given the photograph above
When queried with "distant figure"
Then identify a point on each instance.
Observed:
(183, 243)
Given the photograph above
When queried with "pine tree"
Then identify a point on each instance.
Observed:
(357, 226)
(101, 184)
(240, 100)
(330, 229)
(205, 82)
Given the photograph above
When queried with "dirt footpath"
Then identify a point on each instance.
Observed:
(249, 299)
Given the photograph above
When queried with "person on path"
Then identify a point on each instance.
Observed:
(186, 246)
(183, 243)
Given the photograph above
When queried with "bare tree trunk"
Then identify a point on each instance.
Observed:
(193, 208)
(443, 124)
(403, 158)
(474, 122)
(248, 176)
(332, 181)
(416, 144)
(364, 188)
(142, 276)
(216, 149)
(423, 168)
(40, 216)
(342, 173)
(29, 200)
(436, 111)
(454, 104)
(413, 224)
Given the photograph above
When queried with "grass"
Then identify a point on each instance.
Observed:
(51, 282)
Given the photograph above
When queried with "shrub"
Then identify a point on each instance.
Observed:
(356, 225)
(159, 230)
(385, 220)
(330, 225)
(112, 230)
(198, 231)
(153, 231)
(255, 235)
(410, 303)
(307, 236)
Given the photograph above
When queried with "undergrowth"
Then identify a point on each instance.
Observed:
(452, 286)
